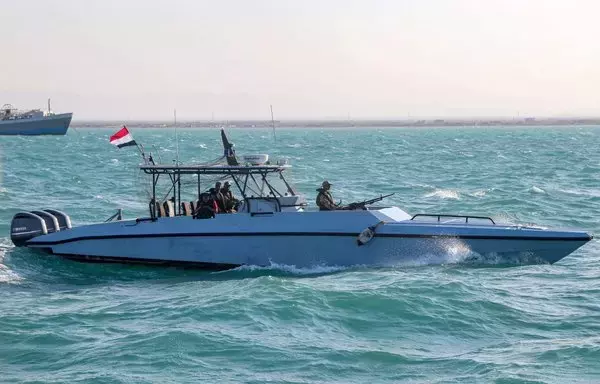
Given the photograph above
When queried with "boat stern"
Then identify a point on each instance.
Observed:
(26, 226)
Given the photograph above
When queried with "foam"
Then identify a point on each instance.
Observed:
(6, 274)
(292, 269)
(444, 194)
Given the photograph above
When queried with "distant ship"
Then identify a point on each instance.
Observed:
(33, 122)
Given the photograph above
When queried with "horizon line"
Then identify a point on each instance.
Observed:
(296, 120)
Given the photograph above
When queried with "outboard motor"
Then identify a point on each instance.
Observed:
(26, 226)
(64, 221)
(51, 221)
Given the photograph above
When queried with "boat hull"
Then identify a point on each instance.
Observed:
(305, 251)
(47, 125)
(311, 239)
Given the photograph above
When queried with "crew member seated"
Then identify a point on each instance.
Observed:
(229, 201)
(218, 197)
(207, 207)
(325, 199)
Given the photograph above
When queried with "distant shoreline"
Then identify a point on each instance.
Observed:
(345, 123)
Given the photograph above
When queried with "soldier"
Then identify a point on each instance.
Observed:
(207, 207)
(218, 196)
(324, 199)
(230, 201)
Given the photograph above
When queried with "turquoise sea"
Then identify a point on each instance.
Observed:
(435, 320)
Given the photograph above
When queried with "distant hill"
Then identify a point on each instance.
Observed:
(530, 121)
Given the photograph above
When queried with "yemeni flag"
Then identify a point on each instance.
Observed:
(122, 138)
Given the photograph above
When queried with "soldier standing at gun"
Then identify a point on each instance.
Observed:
(325, 200)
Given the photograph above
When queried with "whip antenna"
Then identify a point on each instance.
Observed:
(273, 123)
(176, 136)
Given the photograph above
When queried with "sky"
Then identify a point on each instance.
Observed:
(327, 59)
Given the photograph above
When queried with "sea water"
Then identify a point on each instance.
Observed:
(439, 319)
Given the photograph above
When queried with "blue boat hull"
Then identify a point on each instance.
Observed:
(305, 252)
(47, 125)
(305, 240)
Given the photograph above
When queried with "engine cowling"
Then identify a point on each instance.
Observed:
(26, 226)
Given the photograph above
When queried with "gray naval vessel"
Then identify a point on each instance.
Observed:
(33, 121)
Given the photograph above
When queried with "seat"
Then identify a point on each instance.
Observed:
(160, 210)
(169, 209)
(186, 208)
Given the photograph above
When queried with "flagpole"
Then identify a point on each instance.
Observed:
(141, 149)
(124, 134)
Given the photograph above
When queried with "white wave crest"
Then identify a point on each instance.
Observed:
(444, 194)
(535, 189)
(480, 193)
(578, 192)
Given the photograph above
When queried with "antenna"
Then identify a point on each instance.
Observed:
(273, 123)
(157, 153)
(176, 136)
(48, 106)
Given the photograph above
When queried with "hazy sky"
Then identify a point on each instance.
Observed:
(130, 59)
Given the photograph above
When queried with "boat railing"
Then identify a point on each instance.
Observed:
(466, 218)
(117, 216)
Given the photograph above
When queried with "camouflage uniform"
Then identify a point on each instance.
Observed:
(325, 199)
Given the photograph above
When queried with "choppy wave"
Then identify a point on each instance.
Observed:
(481, 192)
(581, 192)
(448, 317)
(444, 194)
(7, 275)
(535, 189)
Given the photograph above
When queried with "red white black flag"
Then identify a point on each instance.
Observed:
(122, 138)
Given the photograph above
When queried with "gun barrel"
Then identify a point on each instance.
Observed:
(367, 202)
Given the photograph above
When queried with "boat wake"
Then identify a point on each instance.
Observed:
(6, 274)
(456, 255)
(285, 269)
(459, 253)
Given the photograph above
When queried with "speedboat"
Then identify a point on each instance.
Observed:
(33, 122)
(273, 224)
